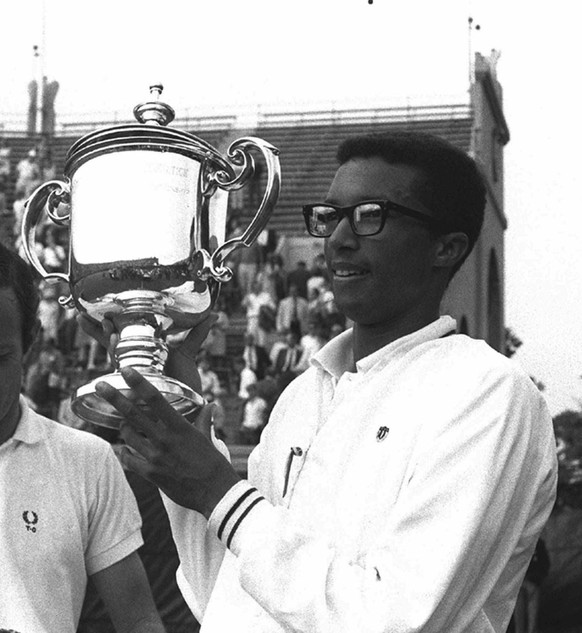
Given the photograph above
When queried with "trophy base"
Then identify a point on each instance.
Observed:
(89, 406)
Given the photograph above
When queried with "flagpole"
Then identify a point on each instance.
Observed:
(42, 68)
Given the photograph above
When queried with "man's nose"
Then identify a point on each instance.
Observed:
(343, 236)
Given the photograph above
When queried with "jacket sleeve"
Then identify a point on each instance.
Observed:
(481, 489)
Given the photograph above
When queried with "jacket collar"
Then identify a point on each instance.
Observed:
(337, 357)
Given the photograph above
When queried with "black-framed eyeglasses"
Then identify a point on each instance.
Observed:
(366, 218)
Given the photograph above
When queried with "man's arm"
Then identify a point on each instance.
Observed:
(126, 593)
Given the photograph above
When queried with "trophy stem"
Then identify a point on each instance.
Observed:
(139, 346)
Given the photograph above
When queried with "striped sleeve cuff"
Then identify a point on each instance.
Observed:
(232, 509)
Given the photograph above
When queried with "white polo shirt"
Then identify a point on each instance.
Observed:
(66, 512)
(405, 496)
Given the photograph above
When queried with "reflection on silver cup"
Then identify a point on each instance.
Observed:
(147, 208)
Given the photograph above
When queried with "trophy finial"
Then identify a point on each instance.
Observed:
(154, 112)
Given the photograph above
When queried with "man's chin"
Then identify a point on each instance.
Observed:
(353, 310)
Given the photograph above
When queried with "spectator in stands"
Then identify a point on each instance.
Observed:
(5, 168)
(277, 345)
(218, 413)
(269, 241)
(287, 362)
(268, 389)
(322, 306)
(3, 204)
(49, 311)
(47, 165)
(254, 416)
(88, 350)
(317, 275)
(215, 343)
(259, 307)
(403, 480)
(208, 378)
(28, 175)
(53, 255)
(44, 379)
(311, 342)
(272, 278)
(56, 381)
(255, 357)
(231, 292)
(314, 303)
(67, 510)
(67, 335)
(249, 263)
(329, 310)
(292, 312)
(36, 387)
(298, 277)
(246, 376)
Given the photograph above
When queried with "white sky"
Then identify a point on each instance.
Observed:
(223, 52)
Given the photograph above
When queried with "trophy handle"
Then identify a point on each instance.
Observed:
(238, 153)
(48, 196)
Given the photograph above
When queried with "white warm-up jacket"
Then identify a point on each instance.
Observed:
(405, 496)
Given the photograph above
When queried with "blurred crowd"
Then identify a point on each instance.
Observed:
(272, 318)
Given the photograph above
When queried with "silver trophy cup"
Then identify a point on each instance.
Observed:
(147, 207)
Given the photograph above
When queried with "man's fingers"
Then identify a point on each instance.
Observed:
(150, 396)
(197, 335)
(92, 328)
(104, 333)
(162, 409)
(108, 328)
(130, 411)
(112, 338)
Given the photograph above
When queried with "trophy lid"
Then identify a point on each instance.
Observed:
(154, 112)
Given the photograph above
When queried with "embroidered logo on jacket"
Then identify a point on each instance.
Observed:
(382, 433)
(30, 518)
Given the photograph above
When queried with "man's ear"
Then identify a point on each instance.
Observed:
(450, 248)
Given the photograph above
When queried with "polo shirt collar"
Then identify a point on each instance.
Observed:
(336, 357)
(28, 431)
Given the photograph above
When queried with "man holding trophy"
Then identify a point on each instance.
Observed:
(403, 479)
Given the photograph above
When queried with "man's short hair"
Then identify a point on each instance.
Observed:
(454, 189)
(15, 273)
